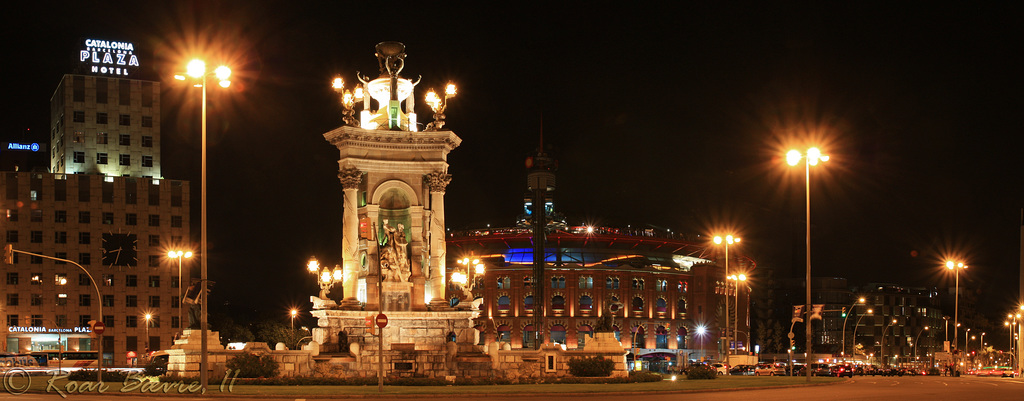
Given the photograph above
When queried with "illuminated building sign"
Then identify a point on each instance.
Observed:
(34, 147)
(48, 330)
(109, 57)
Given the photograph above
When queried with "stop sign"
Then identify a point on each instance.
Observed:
(382, 320)
(98, 328)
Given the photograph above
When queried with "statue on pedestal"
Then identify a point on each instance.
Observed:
(394, 258)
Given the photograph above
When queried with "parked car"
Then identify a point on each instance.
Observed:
(842, 369)
(769, 369)
(722, 368)
(742, 370)
(820, 369)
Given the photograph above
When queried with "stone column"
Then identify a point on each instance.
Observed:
(437, 181)
(350, 178)
(416, 258)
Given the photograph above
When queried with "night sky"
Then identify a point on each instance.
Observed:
(667, 117)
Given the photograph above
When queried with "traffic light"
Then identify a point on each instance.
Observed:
(844, 311)
(369, 321)
(792, 343)
(9, 254)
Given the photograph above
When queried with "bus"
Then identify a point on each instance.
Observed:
(66, 359)
(8, 360)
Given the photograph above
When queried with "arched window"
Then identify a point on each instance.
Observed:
(661, 338)
(586, 282)
(504, 334)
(504, 303)
(638, 283)
(558, 334)
(582, 334)
(639, 337)
(586, 302)
(615, 283)
(528, 303)
(558, 282)
(558, 302)
(681, 306)
(638, 304)
(608, 283)
(662, 285)
(661, 305)
(681, 338)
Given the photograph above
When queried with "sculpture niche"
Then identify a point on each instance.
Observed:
(394, 259)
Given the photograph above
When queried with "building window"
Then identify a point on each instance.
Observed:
(12, 320)
(37, 299)
(504, 303)
(175, 322)
(36, 216)
(154, 281)
(586, 303)
(154, 220)
(661, 285)
(101, 118)
(101, 138)
(108, 280)
(101, 158)
(131, 301)
(528, 303)
(154, 260)
(83, 279)
(638, 283)
(124, 140)
(12, 278)
(12, 215)
(147, 141)
(154, 301)
(558, 282)
(36, 236)
(12, 236)
(108, 218)
(60, 237)
(558, 302)
(62, 299)
(586, 282)
(147, 161)
(78, 137)
(12, 299)
(131, 321)
(175, 300)
(147, 121)
(60, 216)
(176, 222)
(108, 301)
(85, 258)
(84, 217)
(154, 240)
(131, 219)
(528, 281)
(84, 300)
(84, 238)
(125, 160)
(78, 116)
(131, 280)
(124, 119)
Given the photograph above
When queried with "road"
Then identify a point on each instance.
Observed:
(858, 388)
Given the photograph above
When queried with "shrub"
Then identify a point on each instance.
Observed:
(89, 375)
(156, 367)
(701, 372)
(596, 366)
(641, 377)
(252, 365)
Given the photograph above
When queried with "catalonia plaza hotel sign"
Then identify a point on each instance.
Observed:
(107, 57)
(48, 330)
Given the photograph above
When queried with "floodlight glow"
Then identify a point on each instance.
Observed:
(793, 157)
(222, 73)
(313, 265)
(196, 68)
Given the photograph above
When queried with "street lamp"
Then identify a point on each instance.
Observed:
(915, 340)
(293, 312)
(438, 104)
(956, 267)
(811, 158)
(325, 277)
(466, 276)
(149, 317)
(847, 317)
(882, 351)
(196, 70)
(178, 255)
(728, 240)
(737, 279)
(857, 325)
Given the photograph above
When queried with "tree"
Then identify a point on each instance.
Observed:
(273, 332)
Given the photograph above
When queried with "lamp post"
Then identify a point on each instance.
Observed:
(196, 70)
(859, 301)
(915, 340)
(811, 158)
(882, 351)
(956, 267)
(293, 312)
(466, 276)
(148, 317)
(728, 240)
(857, 325)
(178, 255)
(737, 279)
(326, 277)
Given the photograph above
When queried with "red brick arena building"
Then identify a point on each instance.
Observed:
(671, 290)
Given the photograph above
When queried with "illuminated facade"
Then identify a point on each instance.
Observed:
(102, 205)
(666, 285)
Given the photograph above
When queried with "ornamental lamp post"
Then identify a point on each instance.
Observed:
(811, 158)
(737, 279)
(177, 254)
(326, 277)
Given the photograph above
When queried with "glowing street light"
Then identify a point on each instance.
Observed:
(178, 255)
(915, 340)
(465, 276)
(326, 277)
(811, 158)
(196, 70)
(882, 351)
(956, 267)
(727, 240)
(860, 301)
(737, 279)
(148, 317)
(857, 325)
(438, 104)
(294, 312)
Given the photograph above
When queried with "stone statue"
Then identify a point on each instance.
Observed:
(606, 324)
(394, 259)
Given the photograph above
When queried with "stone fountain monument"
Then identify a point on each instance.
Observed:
(394, 177)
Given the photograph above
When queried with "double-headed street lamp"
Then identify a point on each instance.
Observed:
(178, 255)
(861, 301)
(811, 158)
(736, 279)
(727, 240)
(882, 351)
(196, 72)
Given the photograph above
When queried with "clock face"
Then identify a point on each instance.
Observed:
(120, 249)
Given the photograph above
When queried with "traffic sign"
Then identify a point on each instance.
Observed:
(382, 320)
(98, 328)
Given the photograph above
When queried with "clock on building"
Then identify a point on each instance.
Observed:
(120, 249)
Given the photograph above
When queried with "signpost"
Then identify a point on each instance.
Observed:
(382, 320)
(98, 328)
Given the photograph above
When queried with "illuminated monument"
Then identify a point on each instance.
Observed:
(394, 177)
